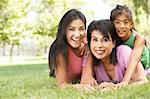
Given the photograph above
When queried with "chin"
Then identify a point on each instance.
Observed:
(98, 57)
(76, 46)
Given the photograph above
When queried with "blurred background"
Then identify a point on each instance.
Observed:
(28, 27)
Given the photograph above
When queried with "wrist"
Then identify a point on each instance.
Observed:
(87, 75)
(125, 82)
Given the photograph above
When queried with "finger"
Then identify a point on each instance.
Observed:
(118, 86)
(89, 87)
(95, 82)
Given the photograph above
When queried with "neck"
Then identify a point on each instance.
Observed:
(106, 60)
(107, 65)
(127, 36)
(76, 51)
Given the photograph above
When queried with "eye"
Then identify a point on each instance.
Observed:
(126, 22)
(94, 39)
(105, 39)
(82, 29)
(116, 22)
(71, 29)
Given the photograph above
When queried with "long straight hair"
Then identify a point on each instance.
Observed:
(59, 46)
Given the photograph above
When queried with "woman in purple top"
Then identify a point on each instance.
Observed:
(109, 57)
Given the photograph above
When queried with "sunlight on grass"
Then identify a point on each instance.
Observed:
(32, 81)
(5, 61)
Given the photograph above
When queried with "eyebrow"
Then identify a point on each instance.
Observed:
(120, 20)
(93, 36)
(75, 27)
(71, 26)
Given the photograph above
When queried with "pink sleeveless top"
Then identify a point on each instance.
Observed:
(74, 68)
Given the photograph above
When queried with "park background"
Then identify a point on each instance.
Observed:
(27, 29)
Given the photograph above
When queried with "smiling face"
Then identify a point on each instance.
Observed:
(101, 46)
(75, 33)
(123, 26)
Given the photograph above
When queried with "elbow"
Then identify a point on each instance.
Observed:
(144, 81)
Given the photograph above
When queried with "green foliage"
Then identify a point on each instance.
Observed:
(139, 6)
(37, 16)
(3, 3)
(23, 19)
(49, 15)
(10, 15)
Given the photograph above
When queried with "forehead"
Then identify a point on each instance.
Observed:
(100, 35)
(76, 22)
(97, 33)
(124, 16)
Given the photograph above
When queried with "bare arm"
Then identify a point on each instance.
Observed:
(134, 58)
(139, 76)
(61, 70)
(87, 72)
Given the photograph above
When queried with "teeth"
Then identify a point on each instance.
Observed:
(99, 51)
(76, 40)
(121, 31)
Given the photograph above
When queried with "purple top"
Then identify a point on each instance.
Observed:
(123, 54)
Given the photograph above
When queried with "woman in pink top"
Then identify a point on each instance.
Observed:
(110, 58)
(68, 55)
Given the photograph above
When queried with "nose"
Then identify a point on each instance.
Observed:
(77, 33)
(122, 25)
(99, 44)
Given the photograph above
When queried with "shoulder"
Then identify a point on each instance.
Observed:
(123, 54)
(123, 51)
(123, 48)
(139, 38)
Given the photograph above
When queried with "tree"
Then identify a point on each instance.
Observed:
(140, 6)
(10, 28)
(49, 13)
(31, 18)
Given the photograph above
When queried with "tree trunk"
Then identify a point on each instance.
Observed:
(3, 50)
(11, 52)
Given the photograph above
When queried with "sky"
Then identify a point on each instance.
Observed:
(101, 10)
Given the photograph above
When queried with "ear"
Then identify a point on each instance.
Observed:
(132, 25)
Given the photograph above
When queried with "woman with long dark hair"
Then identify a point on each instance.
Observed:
(69, 54)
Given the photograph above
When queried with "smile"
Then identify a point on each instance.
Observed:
(99, 51)
(76, 40)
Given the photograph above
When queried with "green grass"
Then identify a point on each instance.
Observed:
(31, 81)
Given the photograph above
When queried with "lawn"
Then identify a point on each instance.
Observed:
(31, 81)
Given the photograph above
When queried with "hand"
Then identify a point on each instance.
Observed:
(121, 84)
(90, 80)
(82, 48)
(82, 87)
(106, 84)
